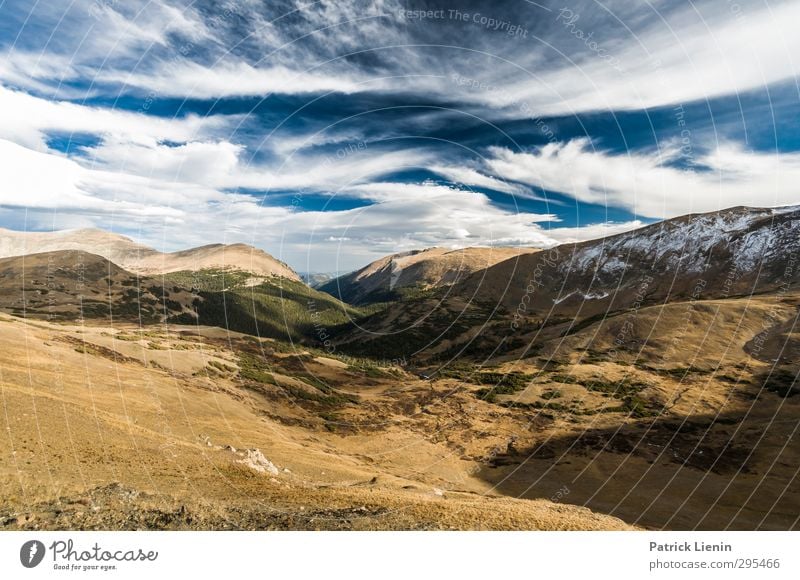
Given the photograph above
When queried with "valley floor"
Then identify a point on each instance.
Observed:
(182, 427)
(109, 428)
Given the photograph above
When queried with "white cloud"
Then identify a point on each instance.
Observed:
(469, 176)
(178, 191)
(120, 30)
(411, 217)
(702, 51)
(60, 192)
(85, 37)
(290, 145)
(431, 193)
(32, 179)
(692, 52)
(687, 53)
(224, 165)
(193, 80)
(406, 217)
(330, 173)
(211, 163)
(35, 71)
(647, 186)
(593, 231)
(27, 120)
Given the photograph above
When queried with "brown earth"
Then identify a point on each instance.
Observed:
(128, 427)
(122, 428)
(678, 416)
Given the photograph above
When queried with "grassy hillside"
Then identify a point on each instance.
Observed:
(71, 284)
(273, 307)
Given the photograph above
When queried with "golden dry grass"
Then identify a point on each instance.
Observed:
(99, 432)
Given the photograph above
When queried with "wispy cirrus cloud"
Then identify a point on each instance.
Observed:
(28, 120)
(677, 55)
(197, 81)
(473, 177)
(58, 191)
(661, 53)
(418, 130)
(648, 183)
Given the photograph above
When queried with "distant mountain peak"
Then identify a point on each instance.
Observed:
(428, 268)
(141, 259)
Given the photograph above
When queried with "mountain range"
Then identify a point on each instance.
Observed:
(738, 252)
(496, 388)
(395, 276)
(141, 259)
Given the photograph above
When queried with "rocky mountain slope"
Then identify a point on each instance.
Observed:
(738, 251)
(140, 259)
(726, 254)
(390, 277)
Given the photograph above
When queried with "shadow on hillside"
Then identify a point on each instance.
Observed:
(692, 473)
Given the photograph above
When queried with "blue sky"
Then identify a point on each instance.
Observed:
(332, 133)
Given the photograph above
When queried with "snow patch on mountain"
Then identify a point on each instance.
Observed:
(585, 296)
(747, 234)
